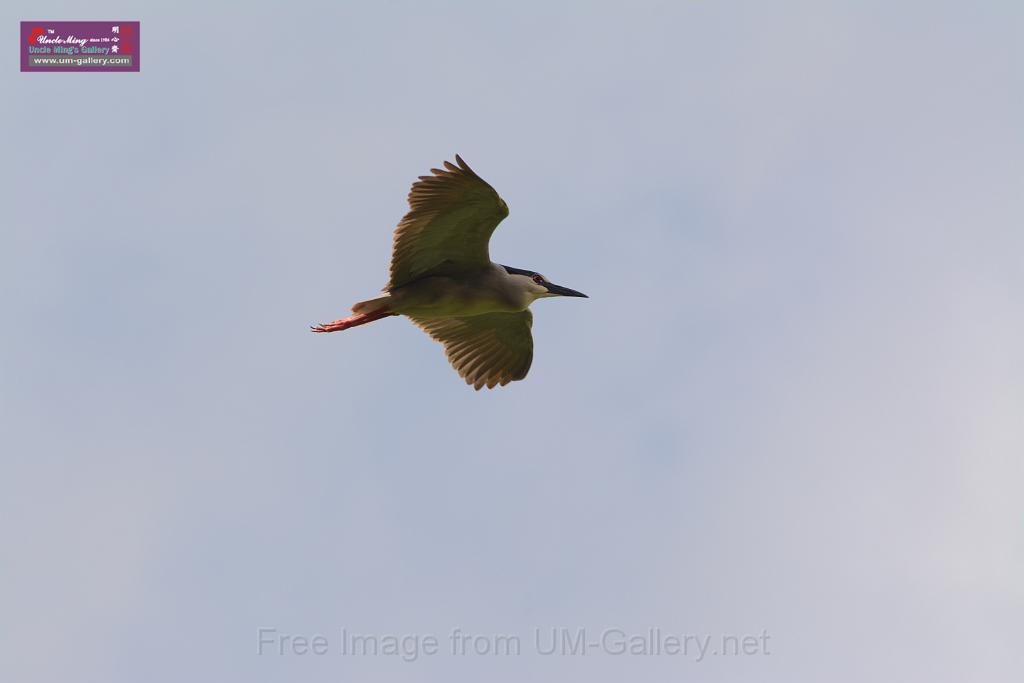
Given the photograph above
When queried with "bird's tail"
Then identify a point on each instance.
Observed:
(370, 305)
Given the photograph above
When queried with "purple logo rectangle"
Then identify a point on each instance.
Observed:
(79, 46)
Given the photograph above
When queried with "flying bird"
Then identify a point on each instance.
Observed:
(442, 279)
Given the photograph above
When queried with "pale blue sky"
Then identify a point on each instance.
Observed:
(792, 403)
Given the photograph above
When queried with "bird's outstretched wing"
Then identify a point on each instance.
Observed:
(489, 349)
(452, 214)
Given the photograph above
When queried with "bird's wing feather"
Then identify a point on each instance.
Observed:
(486, 350)
(452, 215)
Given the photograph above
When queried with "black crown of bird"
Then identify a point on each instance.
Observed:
(443, 279)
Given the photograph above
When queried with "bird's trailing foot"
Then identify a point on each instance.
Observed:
(352, 321)
(335, 326)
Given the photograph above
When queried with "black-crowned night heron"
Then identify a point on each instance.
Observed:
(443, 279)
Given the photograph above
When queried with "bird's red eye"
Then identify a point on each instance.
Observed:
(538, 279)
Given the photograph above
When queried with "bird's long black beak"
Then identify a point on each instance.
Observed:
(559, 290)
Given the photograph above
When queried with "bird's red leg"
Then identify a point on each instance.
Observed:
(352, 321)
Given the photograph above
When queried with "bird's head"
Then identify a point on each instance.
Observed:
(537, 286)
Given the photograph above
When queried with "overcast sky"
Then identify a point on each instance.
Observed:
(791, 407)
